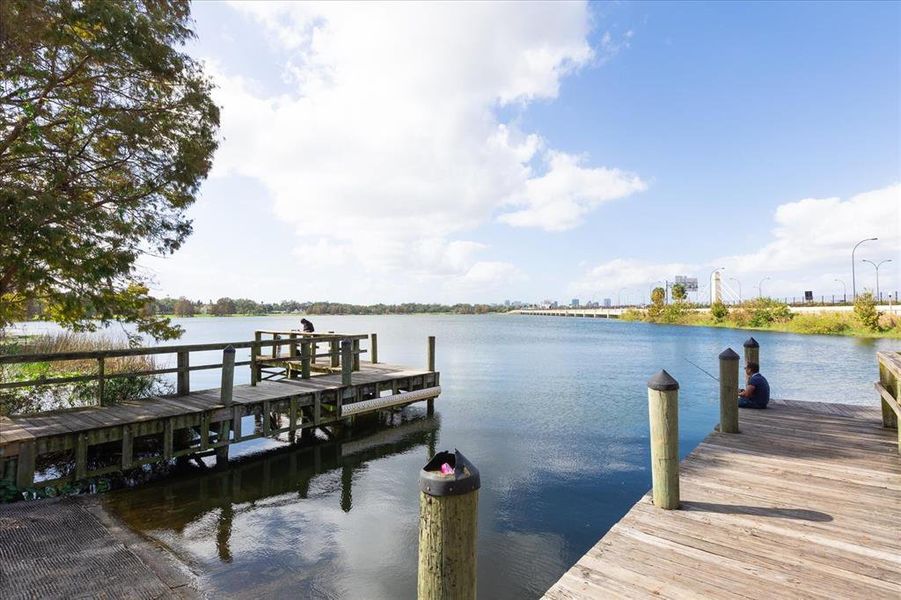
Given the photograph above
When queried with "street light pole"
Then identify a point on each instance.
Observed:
(876, 266)
(739, 287)
(760, 287)
(844, 290)
(853, 278)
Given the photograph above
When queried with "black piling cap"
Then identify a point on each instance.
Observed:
(230, 349)
(663, 381)
(463, 480)
(751, 343)
(728, 354)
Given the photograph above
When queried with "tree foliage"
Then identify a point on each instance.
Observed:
(866, 312)
(106, 131)
(679, 292)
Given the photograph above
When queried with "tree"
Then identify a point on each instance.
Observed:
(223, 306)
(719, 311)
(106, 131)
(866, 312)
(658, 299)
(183, 308)
(678, 291)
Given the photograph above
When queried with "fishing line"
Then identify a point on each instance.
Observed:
(700, 369)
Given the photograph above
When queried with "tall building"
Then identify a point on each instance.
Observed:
(575, 303)
(608, 302)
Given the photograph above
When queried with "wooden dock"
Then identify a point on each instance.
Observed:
(289, 394)
(805, 502)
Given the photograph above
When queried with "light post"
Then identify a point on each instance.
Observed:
(844, 290)
(853, 279)
(876, 266)
(760, 287)
(712, 288)
(739, 287)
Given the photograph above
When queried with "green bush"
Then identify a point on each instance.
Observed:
(632, 314)
(831, 323)
(763, 312)
(719, 311)
(865, 311)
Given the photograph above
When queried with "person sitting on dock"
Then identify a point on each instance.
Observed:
(307, 326)
(757, 394)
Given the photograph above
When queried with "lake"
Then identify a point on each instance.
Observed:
(553, 412)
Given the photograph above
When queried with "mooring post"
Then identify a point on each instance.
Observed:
(430, 403)
(752, 351)
(729, 391)
(305, 358)
(448, 514)
(374, 347)
(334, 350)
(184, 375)
(663, 410)
(347, 361)
(254, 358)
(225, 398)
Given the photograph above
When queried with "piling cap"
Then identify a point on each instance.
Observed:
(728, 354)
(663, 381)
(230, 349)
(463, 480)
(751, 343)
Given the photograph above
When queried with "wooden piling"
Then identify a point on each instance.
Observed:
(374, 348)
(347, 362)
(228, 376)
(184, 375)
(25, 465)
(448, 517)
(752, 351)
(101, 381)
(306, 359)
(729, 391)
(663, 411)
(431, 354)
(356, 354)
(254, 358)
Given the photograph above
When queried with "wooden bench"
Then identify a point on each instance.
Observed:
(889, 389)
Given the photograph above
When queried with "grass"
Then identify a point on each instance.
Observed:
(45, 397)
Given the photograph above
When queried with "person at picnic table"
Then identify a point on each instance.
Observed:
(757, 392)
(307, 326)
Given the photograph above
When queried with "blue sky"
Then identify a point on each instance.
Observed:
(479, 152)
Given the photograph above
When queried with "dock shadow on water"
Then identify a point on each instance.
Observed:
(314, 519)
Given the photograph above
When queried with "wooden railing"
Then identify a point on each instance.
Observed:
(343, 353)
(889, 389)
(294, 341)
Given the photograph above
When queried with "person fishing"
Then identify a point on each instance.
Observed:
(307, 326)
(757, 392)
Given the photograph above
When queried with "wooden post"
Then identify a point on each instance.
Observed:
(752, 351)
(305, 358)
(25, 465)
(314, 348)
(226, 388)
(128, 445)
(347, 362)
(275, 347)
(729, 391)
(663, 410)
(448, 516)
(101, 381)
(356, 351)
(333, 351)
(374, 348)
(184, 375)
(254, 357)
(431, 353)
(81, 456)
(292, 347)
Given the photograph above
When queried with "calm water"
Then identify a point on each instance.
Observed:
(553, 411)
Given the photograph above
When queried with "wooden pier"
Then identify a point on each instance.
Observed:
(290, 393)
(805, 502)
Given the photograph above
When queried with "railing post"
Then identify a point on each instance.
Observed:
(374, 348)
(314, 348)
(184, 375)
(448, 518)
(431, 353)
(663, 410)
(356, 351)
(729, 391)
(334, 351)
(101, 380)
(347, 362)
(254, 358)
(752, 351)
(275, 347)
(228, 377)
(305, 358)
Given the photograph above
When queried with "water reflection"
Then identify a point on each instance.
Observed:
(277, 514)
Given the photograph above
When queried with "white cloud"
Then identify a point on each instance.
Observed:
(389, 147)
(809, 250)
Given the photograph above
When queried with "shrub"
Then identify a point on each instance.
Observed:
(766, 311)
(865, 311)
(829, 323)
(719, 311)
(632, 314)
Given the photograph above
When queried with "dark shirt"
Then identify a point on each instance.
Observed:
(307, 327)
(761, 395)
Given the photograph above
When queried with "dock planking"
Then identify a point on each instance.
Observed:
(805, 502)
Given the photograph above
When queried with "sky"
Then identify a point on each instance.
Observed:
(480, 152)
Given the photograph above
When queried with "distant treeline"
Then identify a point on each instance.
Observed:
(182, 307)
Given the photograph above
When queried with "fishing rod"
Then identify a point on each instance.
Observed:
(700, 369)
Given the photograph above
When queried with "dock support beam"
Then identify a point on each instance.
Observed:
(663, 410)
(729, 391)
(448, 515)
(226, 390)
(25, 465)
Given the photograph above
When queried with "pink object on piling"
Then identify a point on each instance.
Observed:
(446, 469)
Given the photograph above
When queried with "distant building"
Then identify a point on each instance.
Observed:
(574, 303)
(608, 302)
